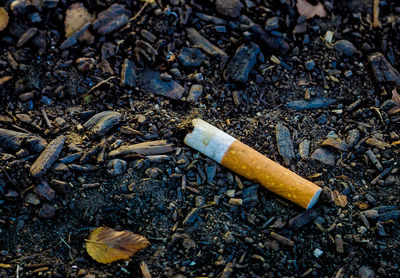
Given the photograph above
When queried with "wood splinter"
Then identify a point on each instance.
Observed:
(46, 119)
(251, 164)
(376, 23)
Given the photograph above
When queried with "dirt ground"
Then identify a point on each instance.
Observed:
(317, 95)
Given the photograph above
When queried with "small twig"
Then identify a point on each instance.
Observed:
(101, 83)
(376, 22)
(69, 248)
(145, 270)
(139, 12)
(65, 242)
(90, 185)
(46, 119)
(379, 113)
(381, 175)
(10, 179)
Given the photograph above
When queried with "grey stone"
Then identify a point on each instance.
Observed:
(324, 156)
(153, 84)
(310, 65)
(195, 93)
(303, 218)
(112, 19)
(230, 8)
(272, 23)
(383, 71)
(345, 48)
(47, 211)
(45, 192)
(191, 57)
(284, 142)
(250, 195)
(318, 102)
(366, 272)
(304, 148)
(242, 63)
(116, 167)
(352, 138)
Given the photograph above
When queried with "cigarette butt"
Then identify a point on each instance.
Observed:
(251, 164)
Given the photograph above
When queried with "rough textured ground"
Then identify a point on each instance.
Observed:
(180, 200)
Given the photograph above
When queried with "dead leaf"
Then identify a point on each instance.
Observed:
(106, 245)
(396, 96)
(396, 143)
(76, 17)
(3, 19)
(339, 199)
(5, 265)
(309, 10)
(361, 205)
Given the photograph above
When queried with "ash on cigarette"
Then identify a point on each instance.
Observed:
(120, 81)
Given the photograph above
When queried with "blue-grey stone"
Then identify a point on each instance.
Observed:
(242, 63)
(191, 57)
(318, 102)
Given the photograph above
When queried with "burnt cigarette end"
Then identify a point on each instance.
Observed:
(251, 164)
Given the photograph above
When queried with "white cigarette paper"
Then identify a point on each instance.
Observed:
(251, 164)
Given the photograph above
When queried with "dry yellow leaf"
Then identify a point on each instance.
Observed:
(106, 245)
(76, 17)
(309, 10)
(396, 143)
(339, 199)
(5, 265)
(361, 205)
(3, 19)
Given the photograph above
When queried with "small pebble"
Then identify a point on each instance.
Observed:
(310, 65)
(116, 167)
(317, 252)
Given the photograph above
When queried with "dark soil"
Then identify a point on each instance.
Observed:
(42, 232)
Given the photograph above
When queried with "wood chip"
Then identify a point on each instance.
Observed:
(339, 199)
(281, 239)
(339, 243)
(146, 148)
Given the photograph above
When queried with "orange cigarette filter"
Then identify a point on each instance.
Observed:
(251, 164)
